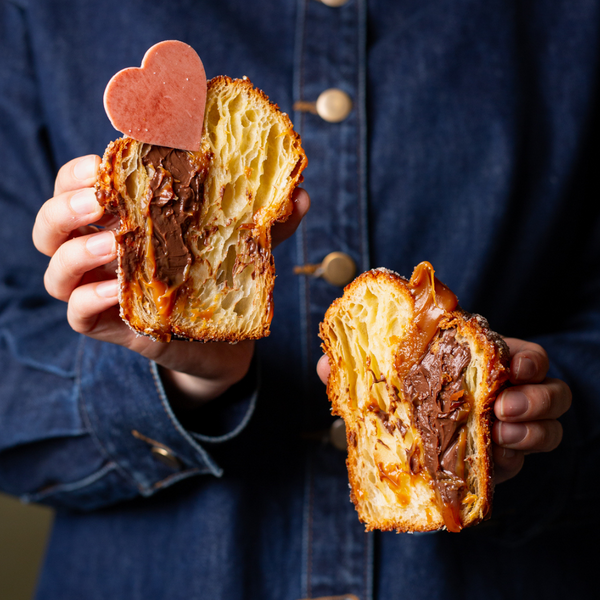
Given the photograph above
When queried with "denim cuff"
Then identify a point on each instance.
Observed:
(129, 416)
(226, 417)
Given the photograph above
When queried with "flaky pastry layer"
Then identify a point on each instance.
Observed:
(247, 169)
(391, 485)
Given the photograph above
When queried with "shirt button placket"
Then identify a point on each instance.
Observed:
(329, 105)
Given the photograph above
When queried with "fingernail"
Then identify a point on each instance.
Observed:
(511, 433)
(108, 289)
(525, 369)
(101, 244)
(84, 202)
(85, 169)
(513, 404)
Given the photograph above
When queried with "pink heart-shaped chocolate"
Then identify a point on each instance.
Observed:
(161, 103)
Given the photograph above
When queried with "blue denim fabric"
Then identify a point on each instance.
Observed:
(471, 143)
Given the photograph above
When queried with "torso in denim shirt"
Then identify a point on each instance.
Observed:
(463, 148)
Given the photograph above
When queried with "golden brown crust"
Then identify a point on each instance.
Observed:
(495, 358)
(360, 334)
(250, 162)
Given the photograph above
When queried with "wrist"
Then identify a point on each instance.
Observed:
(187, 392)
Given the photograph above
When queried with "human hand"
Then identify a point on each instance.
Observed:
(527, 411)
(82, 272)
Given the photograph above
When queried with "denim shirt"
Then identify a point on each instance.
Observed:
(471, 143)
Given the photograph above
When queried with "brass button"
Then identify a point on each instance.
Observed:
(333, 105)
(337, 435)
(334, 3)
(165, 457)
(338, 269)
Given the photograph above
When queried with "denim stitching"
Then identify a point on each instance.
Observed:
(71, 487)
(212, 466)
(171, 479)
(362, 134)
(364, 224)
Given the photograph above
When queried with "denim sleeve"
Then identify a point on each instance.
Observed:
(83, 431)
(83, 424)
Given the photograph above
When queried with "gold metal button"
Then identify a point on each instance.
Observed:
(333, 105)
(334, 3)
(165, 457)
(338, 269)
(337, 435)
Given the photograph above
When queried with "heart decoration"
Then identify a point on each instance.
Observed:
(161, 103)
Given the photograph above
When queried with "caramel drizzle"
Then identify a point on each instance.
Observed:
(450, 513)
(163, 295)
(432, 301)
(398, 480)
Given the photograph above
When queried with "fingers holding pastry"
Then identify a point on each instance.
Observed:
(535, 436)
(74, 259)
(72, 208)
(76, 174)
(88, 302)
(62, 216)
(549, 399)
(527, 413)
(528, 361)
(282, 231)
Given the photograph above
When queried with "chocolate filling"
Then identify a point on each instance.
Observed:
(177, 189)
(435, 386)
